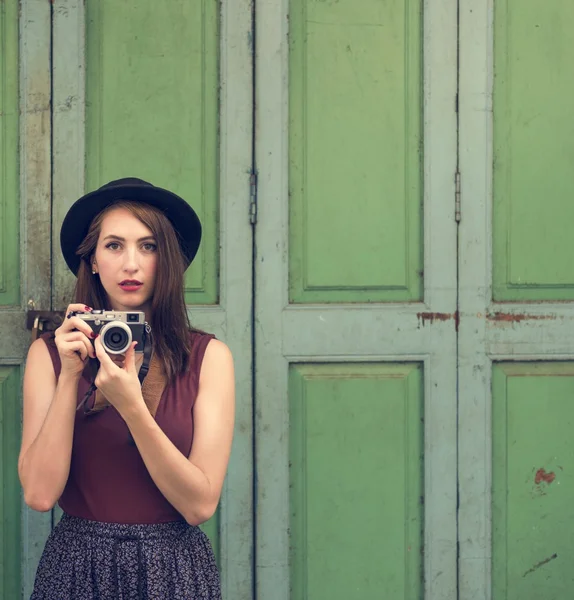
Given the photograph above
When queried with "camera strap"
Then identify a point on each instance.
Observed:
(146, 337)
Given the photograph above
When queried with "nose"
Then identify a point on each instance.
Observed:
(131, 260)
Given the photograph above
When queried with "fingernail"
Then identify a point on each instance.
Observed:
(97, 335)
(88, 308)
(92, 335)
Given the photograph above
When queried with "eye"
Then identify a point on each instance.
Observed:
(150, 247)
(113, 246)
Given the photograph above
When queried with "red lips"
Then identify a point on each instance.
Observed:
(130, 285)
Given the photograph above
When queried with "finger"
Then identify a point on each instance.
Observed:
(130, 364)
(101, 354)
(76, 348)
(75, 323)
(77, 336)
(77, 308)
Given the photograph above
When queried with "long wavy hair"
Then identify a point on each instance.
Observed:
(168, 320)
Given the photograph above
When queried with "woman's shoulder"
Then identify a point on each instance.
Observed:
(206, 345)
(42, 348)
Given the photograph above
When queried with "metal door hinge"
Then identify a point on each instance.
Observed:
(253, 197)
(457, 197)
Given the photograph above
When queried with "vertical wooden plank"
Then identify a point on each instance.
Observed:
(236, 525)
(10, 502)
(68, 73)
(35, 215)
(475, 260)
(439, 49)
(68, 140)
(9, 119)
(35, 152)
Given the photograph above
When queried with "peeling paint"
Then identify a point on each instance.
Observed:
(517, 317)
(431, 317)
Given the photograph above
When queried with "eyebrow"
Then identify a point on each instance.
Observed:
(121, 239)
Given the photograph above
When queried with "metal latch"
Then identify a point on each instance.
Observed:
(40, 321)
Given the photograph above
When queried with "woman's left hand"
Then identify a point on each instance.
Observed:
(119, 384)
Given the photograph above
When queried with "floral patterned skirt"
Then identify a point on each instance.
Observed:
(91, 560)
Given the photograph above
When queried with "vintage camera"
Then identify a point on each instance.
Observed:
(117, 328)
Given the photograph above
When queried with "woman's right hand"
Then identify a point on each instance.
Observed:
(73, 341)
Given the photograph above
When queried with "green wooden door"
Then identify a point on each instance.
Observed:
(355, 273)
(516, 376)
(143, 89)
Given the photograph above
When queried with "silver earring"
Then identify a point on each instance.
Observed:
(93, 271)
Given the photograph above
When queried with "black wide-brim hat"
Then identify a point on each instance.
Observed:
(78, 219)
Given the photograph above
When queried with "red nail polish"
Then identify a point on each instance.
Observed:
(88, 309)
(92, 335)
(97, 335)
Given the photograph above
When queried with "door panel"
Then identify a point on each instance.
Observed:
(532, 500)
(350, 123)
(360, 423)
(145, 65)
(533, 146)
(10, 510)
(9, 201)
(343, 55)
(516, 349)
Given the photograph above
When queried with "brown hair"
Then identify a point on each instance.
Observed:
(169, 322)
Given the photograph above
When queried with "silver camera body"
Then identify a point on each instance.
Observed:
(117, 328)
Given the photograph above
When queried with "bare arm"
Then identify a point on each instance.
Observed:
(49, 411)
(191, 484)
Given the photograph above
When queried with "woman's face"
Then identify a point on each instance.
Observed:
(126, 261)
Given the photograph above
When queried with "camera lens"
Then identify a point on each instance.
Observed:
(116, 337)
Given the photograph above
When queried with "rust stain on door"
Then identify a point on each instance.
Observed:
(502, 317)
(543, 476)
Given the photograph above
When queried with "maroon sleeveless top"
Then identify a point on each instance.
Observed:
(108, 479)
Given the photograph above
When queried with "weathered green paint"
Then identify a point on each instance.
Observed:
(152, 109)
(10, 515)
(533, 149)
(533, 501)
(355, 151)
(9, 174)
(356, 471)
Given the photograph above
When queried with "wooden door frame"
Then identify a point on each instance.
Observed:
(278, 323)
(35, 202)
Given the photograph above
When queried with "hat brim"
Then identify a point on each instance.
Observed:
(80, 215)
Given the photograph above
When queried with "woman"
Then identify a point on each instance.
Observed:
(134, 468)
